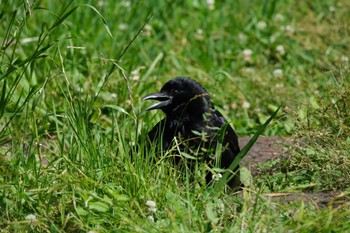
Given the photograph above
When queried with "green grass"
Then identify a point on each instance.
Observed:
(72, 75)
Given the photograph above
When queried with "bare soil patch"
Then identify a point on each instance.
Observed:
(270, 148)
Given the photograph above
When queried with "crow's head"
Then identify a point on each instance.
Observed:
(181, 97)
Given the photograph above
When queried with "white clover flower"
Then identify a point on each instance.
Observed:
(273, 38)
(152, 206)
(147, 30)
(199, 34)
(344, 58)
(247, 52)
(277, 73)
(126, 4)
(151, 203)
(31, 217)
(152, 209)
(246, 104)
(247, 55)
(216, 176)
(122, 26)
(261, 25)
(211, 4)
(279, 17)
(242, 37)
(135, 74)
(279, 85)
(248, 70)
(150, 217)
(290, 30)
(280, 49)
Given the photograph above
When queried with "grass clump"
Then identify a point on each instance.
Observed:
(319, 158)
(71, 81)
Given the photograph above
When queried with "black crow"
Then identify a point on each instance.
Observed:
(198, 127)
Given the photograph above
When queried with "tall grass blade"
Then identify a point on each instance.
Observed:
(114, 65)
(228, 174)
(62, 17)
(2, 99)
(103, 19)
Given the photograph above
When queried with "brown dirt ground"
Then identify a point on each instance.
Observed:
(269, 148)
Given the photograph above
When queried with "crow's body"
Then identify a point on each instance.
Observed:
(192, 118)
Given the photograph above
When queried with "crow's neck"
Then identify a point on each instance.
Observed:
(189, 119)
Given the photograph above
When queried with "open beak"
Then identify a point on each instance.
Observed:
(164, 99)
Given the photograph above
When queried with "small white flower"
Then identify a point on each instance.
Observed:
(151, 203)
(31, 217)
(122, 26)
(216, 176)
(273, 38)
(277, 73)
(248, 70)
(211, 4)
(261, 25)
(148, 27)
(247, 55)
(126, 4)
(150, 217)
(246, 105)
(147, 30)
(280, 49)
(242, 37)
(279, 85)
(199, 34)
(279, 17)
(247, 52)
(135, 75)
(290, 30)
(344, 58)
(332, 9)
(151, 209)
(152, 206)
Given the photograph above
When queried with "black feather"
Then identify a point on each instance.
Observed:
(193, 119)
